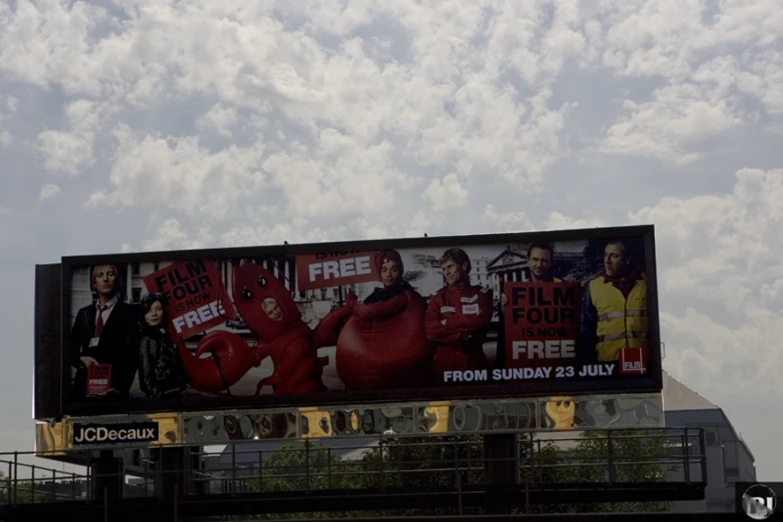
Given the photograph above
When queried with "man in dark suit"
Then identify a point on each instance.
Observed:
(105, 333)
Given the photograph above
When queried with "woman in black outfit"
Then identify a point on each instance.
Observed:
(160, 368)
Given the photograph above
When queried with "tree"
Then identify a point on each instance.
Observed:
(21, 492)
(635, 458)
(299, 467)
(409, 462)
(426, 461)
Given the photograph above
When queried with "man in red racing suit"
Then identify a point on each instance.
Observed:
(458, 317)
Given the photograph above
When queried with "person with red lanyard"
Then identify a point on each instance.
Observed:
(104, 337)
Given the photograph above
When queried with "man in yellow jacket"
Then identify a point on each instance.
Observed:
(614, 313)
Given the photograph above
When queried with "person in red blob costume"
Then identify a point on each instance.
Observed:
(458, 317)
(381, 342)
(270, 313)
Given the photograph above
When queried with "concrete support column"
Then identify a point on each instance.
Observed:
(171, 472)
(106, 477)
(502, 476)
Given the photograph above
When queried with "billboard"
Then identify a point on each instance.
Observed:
(506, 315)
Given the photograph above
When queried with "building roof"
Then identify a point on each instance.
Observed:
(678, 397)
(250, 452)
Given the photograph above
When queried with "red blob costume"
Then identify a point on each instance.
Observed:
(458, 317)
(284, 337)
(231, 359)
(381, 343)
(288, 340)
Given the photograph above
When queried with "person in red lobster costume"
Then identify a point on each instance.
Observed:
(381, 342)
(270, 313)
(458, 318)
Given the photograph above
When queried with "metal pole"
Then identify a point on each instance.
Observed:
(233, 467)
(260, 470)
(176, 501)
(89, 476)
(105, 504)
(307, 464)
(687, 458)
(531, 476)
(16, 476)
(32, 485)
(703, 454)
(381, 474)
(610, 456)
(459, 492)
(536, 456)
(456, 456)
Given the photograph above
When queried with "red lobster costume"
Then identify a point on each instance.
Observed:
(270, 313)
(381, 343)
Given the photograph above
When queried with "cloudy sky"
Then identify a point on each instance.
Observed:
(151, 124)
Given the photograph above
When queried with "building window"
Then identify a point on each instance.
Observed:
(135, 269)
(711, 438)
(136, 295)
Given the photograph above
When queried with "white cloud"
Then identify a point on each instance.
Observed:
(6, 139)
(259, 62)
(724, 250)
(666, 127)
(559, 221)
(179, 173)
(295, 231)
(701, 98)
(445, 194)
(65, 152)
(219, 118)
(423, 222)
(71, 151)
(338, 176)
(171, 236)
(49, 42)
(513, 221)
(48, 191)
(723, 361)
(767, 69)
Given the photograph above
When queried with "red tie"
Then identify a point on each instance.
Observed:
(99, 326)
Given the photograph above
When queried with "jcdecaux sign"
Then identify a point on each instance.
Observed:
(130, 433)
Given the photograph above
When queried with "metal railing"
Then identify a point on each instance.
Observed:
(572, 459)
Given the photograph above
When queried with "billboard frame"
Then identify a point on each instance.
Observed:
(652, 383)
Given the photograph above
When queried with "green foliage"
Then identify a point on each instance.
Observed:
(421, 462)
(424, 462)
(635, 456)
(20, 493)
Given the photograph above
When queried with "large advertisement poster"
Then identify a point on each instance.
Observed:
(523, 314)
